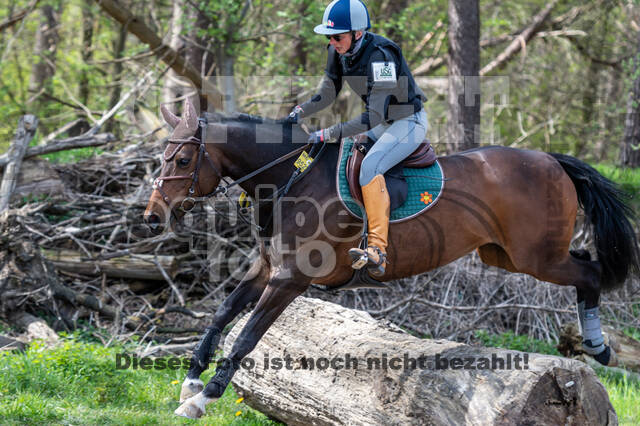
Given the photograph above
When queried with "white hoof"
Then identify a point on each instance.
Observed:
(194, 407)
(190, 387)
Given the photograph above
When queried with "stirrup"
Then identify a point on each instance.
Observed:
(361, 259)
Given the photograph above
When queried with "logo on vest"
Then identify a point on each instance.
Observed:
(384, 72)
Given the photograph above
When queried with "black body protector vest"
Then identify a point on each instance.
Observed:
(379, 74)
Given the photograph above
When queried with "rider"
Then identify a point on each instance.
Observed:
(376, 70)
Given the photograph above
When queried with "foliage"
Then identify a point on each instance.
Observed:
(556, 97)
(623, 394)
(628, 179)
(77, 383)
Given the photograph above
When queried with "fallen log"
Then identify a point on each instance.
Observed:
(63, 145)
(138, 267)
(35, 327)
(37, 177)
(627, 349)
(323, 364)
(10, 344)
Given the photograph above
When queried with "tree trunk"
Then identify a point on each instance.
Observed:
(118, 50)
(227, 83)
(390, 8)
(590, 124)
(298, 58)
(463, 129)
(371, 372)
(44, 51)
(630, 150)
(172, 88)
(201, 60)
(87, 49)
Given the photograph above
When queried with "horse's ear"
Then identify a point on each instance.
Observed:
(190, 115)
(171, 119)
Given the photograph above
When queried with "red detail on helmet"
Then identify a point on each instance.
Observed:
(330, 23)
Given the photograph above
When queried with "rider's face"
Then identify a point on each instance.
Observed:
(342, 42)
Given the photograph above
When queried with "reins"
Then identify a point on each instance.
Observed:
(223, 189)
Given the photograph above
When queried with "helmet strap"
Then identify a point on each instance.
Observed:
(353, 42)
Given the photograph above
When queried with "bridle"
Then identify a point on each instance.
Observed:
(202, 153)
(194, 176)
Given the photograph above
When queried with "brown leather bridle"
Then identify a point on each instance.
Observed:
(194, 176)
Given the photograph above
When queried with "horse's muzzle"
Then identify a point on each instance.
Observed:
(154, 222)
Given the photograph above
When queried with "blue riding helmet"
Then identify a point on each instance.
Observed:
(342, 16)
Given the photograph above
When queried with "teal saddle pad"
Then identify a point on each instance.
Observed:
(425, 186)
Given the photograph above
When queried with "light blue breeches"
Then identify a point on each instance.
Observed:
(394, 143)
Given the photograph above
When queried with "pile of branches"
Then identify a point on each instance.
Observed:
(111, 273)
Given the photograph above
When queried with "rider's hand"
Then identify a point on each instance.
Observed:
(295, 116)
(316, 137)
(328, 135)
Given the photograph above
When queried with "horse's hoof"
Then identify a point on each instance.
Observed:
(194, 407)
(613, 359)
(190, 387)
(607, 357)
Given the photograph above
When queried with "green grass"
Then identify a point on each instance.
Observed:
(77, 383)
(509, 340)
(624, 393)
(628, 179)
(72, 155)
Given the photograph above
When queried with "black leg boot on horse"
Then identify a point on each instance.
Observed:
(377, 205)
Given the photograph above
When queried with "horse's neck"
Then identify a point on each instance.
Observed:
(247, 148)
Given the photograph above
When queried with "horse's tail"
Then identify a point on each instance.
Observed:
(604, 207)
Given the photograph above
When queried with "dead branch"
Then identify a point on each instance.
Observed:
(12, 20)
(63, 145)
(136, 26)
(521, 40)
(27, 126)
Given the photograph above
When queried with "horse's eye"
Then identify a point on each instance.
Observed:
(183, 162)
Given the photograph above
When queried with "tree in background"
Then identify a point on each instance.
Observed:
(630, 151)
(463, 130)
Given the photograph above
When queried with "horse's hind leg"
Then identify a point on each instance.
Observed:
(577, 269)
(247, 291)
(588, 300)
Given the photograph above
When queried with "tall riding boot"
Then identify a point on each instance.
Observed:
(376, 203)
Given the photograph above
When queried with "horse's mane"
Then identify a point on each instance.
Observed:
(216, 117)
(276, 128)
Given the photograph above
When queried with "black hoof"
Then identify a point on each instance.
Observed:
(607, 357)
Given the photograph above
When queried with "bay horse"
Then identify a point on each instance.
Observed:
(516, 207)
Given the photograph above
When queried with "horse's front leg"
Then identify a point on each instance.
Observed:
(247, 291)
(275, 298)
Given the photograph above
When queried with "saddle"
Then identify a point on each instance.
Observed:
(423, 156)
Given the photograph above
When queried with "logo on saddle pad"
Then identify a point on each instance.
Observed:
(384, 72)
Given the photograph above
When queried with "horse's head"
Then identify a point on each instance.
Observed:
(188, 171)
